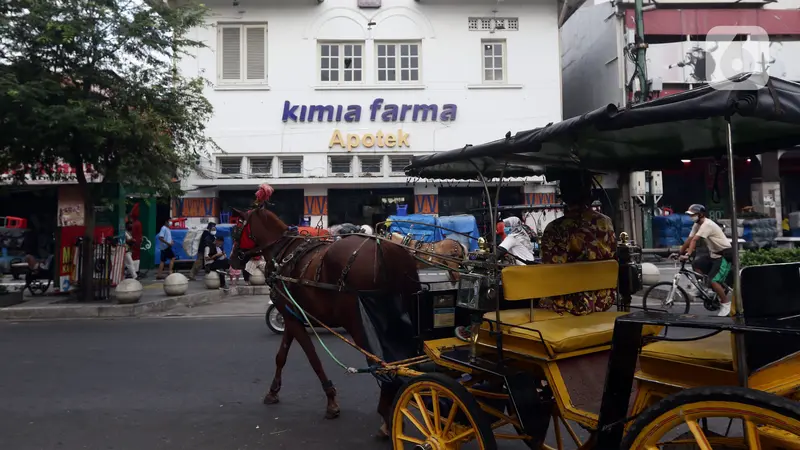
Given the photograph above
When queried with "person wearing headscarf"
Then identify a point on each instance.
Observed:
(517, 242)
(581, 234)
(206, 240)
(136, 234)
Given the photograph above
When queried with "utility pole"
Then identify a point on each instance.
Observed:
(644, 90)
(641, 51)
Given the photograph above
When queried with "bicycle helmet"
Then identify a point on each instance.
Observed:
(696, 209)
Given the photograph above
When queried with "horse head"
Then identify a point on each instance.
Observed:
(256, 234)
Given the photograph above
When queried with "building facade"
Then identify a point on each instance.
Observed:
(328, 100)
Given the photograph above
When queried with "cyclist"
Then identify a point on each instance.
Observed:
(717, 265)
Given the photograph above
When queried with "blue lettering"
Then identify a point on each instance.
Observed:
(388, 112)
(425, 109)
(322, 111)
(404, 110)
(289, 111)
(353, 114)
(448, 112)
(390, 115)
(374, 107)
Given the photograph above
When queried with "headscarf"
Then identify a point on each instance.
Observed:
(514, 226)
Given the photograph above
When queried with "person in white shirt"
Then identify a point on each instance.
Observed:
(167, 254)
(517, 242)
(718, 265)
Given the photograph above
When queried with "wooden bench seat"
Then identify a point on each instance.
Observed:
(559, 333)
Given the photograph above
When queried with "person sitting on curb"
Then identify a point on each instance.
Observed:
(216, 260)
(206, 240)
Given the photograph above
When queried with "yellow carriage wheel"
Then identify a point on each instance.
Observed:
(435, 412)
(717, 418)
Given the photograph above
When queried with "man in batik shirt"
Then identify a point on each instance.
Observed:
(582, 234)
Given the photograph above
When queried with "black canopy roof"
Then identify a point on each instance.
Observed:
(764, 115)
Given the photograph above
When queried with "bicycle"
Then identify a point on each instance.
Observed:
(700, 282)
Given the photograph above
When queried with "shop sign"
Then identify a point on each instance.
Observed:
(352, 113)
(369, 140)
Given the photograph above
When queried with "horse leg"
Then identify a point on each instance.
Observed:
(332, 410)
(280, 361)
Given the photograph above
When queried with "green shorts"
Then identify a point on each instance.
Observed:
(721, 270)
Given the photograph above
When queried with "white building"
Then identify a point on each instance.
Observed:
(327, 100)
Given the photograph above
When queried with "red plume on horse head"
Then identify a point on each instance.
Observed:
(264, 193)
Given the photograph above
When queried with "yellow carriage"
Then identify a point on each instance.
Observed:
(616, 379)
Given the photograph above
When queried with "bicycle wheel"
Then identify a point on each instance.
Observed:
(678, 297)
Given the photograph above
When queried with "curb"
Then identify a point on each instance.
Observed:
(89, 311)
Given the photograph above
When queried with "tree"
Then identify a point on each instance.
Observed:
(94, 84)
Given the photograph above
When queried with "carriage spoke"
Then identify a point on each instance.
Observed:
(751, 435)
(451, 416)
(698, 434)
(557, 429)
(437, 426)
(424, 411)
(461, 436)
(410, 439)
(414, 421)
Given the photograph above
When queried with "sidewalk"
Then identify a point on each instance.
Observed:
(153, 300)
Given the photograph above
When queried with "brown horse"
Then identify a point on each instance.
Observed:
(446, 247)
(356, 263)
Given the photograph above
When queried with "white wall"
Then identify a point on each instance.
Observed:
(591, 49)
(247, 122)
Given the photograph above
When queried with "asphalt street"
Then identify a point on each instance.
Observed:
(171, 384)
(191, 378)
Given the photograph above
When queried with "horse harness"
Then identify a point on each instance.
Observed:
(285, 260)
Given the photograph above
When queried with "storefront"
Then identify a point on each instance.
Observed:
(334, 115)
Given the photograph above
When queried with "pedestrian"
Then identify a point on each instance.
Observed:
(165, 243)
(136, 234)
(206, 240)
(215, 259)
(128, 252)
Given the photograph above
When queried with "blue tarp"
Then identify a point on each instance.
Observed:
(223, 230)
(466, 224)
(419, 232)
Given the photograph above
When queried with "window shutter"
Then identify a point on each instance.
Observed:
(231, 53)
(256, 53)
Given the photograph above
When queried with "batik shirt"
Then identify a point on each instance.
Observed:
(580, 235)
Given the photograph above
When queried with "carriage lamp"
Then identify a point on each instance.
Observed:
(482, 245)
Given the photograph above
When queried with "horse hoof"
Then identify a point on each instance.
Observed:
(383, 432)
(332, 413)
(271, 399)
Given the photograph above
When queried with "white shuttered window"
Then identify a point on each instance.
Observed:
(242, 54)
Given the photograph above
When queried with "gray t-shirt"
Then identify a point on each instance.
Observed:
(716, 241)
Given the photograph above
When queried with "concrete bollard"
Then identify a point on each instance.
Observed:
(128, 291)
(176, 284)
(212, 280)
(257, 279)
(650, 274)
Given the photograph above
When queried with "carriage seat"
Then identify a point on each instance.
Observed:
(714, 351)
(561, 333)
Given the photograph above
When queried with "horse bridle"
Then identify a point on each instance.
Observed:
(258, 250)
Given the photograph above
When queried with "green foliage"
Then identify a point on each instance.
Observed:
(769, 256)
(94, 83)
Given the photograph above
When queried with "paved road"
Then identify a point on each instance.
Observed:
(190, 379)
(170, 384)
